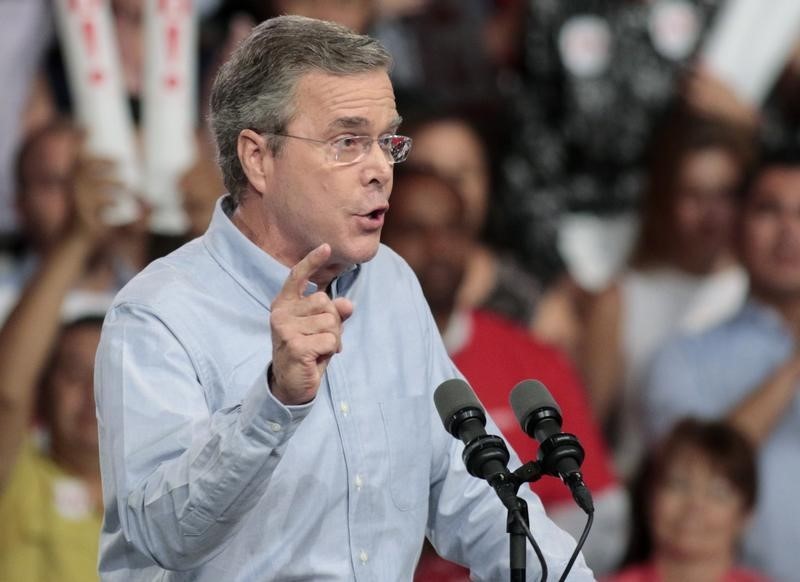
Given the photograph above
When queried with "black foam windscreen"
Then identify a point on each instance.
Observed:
(454, 395)
(530, 395)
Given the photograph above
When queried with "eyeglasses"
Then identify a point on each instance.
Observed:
(350, 149)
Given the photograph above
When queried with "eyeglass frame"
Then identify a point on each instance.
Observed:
(331, 143)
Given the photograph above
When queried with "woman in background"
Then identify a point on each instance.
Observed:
(693, 501)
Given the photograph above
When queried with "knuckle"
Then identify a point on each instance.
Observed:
(329, 320)
(295, 345)
(318, 301)
(331, 341)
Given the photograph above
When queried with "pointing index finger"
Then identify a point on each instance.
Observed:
(302, 272)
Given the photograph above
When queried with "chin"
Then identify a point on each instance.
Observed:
(360, 254)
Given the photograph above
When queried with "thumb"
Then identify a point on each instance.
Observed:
(344, 306)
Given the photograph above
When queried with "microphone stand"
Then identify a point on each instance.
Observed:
(517, 522)
(518, 542)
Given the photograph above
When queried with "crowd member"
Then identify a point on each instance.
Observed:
(50, 169)
(200, 187)
(427, 226)
(264, 394)
(746, 368)
(455, 150)
(595, 79)
(444, 51)
(697, 493)
(683, 274)
(24, 36)
(50, 492)
(494, 279)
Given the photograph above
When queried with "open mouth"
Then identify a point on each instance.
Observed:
(376, 214)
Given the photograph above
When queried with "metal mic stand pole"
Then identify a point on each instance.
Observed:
(518, 541)
(518, 510)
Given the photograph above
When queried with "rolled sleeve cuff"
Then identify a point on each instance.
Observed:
(267, 416)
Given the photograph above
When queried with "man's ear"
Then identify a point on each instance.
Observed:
(255, 158)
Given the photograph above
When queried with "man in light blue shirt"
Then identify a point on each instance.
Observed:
(747, 369)
(264, 393)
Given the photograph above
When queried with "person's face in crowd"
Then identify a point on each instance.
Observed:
(426, 227)
(695, 511)
(309, 198)
(71, 389)
(453, 150)
(770, 232)
(44, 205)
(354, 14)
(705, 203)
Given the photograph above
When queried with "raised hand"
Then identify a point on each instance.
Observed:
(306, 331)
(93, 186)
(709, 95)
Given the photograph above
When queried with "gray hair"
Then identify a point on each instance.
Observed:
(255, 88)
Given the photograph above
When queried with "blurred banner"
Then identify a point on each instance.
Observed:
(169, 108)
(92, 61)
(749, 44)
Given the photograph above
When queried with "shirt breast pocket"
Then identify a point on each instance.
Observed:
(407, 431)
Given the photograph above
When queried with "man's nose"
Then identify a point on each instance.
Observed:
(378, 164)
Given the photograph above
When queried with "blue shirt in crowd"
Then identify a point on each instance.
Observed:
(707, 375)
(207, 477)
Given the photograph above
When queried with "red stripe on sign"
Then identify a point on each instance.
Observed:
(173, 39)
(89, 36)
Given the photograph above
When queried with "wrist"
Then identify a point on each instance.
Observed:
(79, 237)
(282, 396)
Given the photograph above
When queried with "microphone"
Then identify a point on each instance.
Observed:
(560, 454)
(486, 456)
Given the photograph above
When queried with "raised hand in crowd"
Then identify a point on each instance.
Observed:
(28, 335)
(708, 95)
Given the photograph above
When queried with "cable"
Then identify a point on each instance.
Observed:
(529, 535)
(581, 541)
(539, 555)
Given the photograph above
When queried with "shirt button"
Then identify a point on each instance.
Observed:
(275, 427)
(358, 482)
(363, 556)
(344, 407)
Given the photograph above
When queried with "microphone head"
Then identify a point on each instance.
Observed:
(529, 396)
(451, 397)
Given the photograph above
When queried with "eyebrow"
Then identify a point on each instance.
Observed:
(359, 123)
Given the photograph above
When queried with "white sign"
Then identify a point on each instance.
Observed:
(750, 43)
(169, 110)
(92, 60)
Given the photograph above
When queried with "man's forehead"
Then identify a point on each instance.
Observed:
(358, 122)
(349, 101)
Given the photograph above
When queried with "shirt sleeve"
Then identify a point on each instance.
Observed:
(180, 477)
(672, 389)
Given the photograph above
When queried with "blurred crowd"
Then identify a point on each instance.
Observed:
(677, 369)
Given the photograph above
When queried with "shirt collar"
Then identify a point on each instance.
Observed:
(254, 269)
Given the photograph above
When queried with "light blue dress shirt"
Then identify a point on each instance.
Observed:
(707, 375)
(207, 477)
